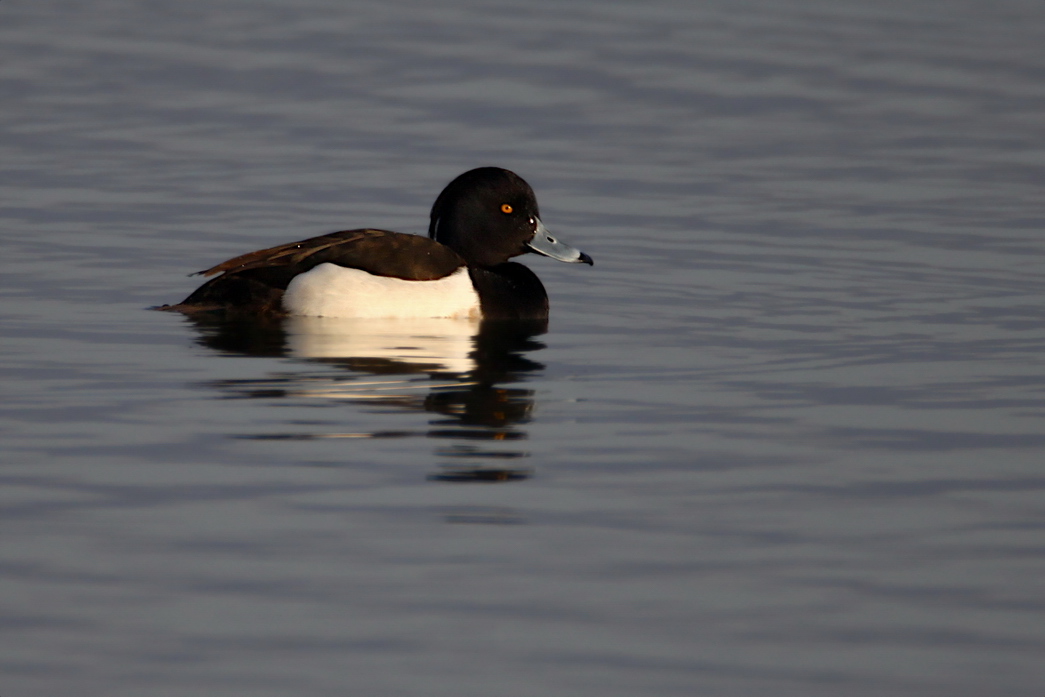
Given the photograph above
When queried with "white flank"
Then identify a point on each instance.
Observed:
(334, 291)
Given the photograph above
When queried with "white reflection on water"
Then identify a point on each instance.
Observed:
(444, 345)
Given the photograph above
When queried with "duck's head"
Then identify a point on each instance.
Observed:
(489, 215)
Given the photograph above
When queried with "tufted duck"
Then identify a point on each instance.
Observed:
(481, 219)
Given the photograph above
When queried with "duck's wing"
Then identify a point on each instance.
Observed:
(255, 282)
(380, 252)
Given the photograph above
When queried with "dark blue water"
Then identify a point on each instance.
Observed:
(785, 437)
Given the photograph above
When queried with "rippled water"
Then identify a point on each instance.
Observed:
(785, 437)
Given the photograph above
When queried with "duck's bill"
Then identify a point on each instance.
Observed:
(544, 243)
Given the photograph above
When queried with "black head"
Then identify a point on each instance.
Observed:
(489, 215)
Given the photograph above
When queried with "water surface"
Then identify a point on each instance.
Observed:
(785, 437)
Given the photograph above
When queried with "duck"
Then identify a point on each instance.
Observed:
(483, 218)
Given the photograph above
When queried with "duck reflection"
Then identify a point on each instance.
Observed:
(462, 371)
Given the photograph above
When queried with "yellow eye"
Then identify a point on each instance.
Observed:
(506, 208)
